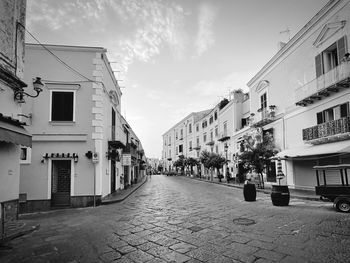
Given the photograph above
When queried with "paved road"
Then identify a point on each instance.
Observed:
(177, 219)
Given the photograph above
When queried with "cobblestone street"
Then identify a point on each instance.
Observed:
(177, 219)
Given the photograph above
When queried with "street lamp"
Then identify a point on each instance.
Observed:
(226, 149)
(38, 87)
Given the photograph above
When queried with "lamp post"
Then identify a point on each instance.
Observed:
(225, 149)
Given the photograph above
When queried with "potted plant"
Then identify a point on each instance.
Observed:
(256, 151)
(280, 195)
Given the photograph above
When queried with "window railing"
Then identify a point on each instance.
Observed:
(327, 129)
(334, 76)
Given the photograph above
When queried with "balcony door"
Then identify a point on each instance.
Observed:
(61, 182)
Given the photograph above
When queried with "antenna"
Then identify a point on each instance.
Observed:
(287, 31)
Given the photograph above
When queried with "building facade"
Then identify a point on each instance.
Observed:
(301, 95)
(77, 128)
(12, 131)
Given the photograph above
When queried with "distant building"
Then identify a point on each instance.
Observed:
(12, 133)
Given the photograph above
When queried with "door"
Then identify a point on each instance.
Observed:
(126, 176)
(60, 188)
(113, 176)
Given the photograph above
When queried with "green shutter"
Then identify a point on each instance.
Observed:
(344, 110)
(318, 65)
(341, 46)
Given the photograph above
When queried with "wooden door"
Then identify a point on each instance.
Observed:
(60, 184)
(113, 176)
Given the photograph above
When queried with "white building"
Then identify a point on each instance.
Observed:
(302, 95)
(77, 129)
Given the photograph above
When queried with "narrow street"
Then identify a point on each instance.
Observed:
(178, 219)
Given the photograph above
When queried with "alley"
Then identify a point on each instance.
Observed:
(178, 219)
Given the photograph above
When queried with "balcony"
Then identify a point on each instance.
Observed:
(223, 137)
(210, 143)
(331, 131)
(324, 85)
(129, 148)
(267, 115)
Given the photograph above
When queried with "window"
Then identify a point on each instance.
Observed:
(176, 136)
(216, 131)
(25, 156)
(180, 148)
(190, 144)
(211, 120)
(169, 153)
(204, 137)
(330, 57)
(113, 125)
(334, 113)
(204, 124)
(215, 115)
(190, 128)
(164, 141)
(211, 135)
(245, 122)
(263, 101)
(169, 141)
(197, 141)
(181, 134)
(216, 148)
(225, 128)
(177, 150)
(197, 127)
(62, 105)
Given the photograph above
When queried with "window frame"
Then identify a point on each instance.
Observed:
(28, 158)
(74, 105)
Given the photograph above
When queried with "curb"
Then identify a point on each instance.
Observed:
(18, 234)
(108, 202)
(265, 191)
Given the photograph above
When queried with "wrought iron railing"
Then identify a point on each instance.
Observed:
(327, 129)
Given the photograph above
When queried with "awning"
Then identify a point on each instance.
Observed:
(14, 133)
(315, 150)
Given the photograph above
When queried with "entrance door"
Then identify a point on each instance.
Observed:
(113, 177)
(126, 176)
(60, 188)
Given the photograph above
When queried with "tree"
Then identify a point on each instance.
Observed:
(180, 163)
(191, 162)
(212, 161)
(257, 151)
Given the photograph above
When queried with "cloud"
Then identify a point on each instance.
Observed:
(205, 36)
(137, 29)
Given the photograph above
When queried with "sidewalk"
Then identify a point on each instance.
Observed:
(15, 229)
(294, 193)
(121, 195)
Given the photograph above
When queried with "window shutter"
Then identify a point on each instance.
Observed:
(341, 46)
(344, 110)
(319, 118)
(318, 65)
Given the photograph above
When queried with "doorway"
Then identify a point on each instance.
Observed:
(113, 176)
(61, 182)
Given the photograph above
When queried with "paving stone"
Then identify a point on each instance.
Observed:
(166, 241)
(147, 246)
(261, 244)
(110, 256)
(182, 247)
(139, 256)
(268, 254)
(202, 255)
(126, 249)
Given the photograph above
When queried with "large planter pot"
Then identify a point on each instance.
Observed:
(249, 192)
(280, 195)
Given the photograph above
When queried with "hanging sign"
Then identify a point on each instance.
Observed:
(126, 159)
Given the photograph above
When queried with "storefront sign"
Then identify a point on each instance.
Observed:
(126, 159)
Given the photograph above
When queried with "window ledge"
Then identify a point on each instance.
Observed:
(62, 123)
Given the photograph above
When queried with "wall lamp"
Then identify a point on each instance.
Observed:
(19, 93)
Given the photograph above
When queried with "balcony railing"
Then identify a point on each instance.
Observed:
(223, 137)
(327, 132)
(267, 116)
(329, 82)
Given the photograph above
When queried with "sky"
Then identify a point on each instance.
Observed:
(172, 57)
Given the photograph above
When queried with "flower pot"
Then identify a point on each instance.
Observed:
(280, 195)
(249, 192)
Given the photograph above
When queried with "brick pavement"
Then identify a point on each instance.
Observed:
(176, 219)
